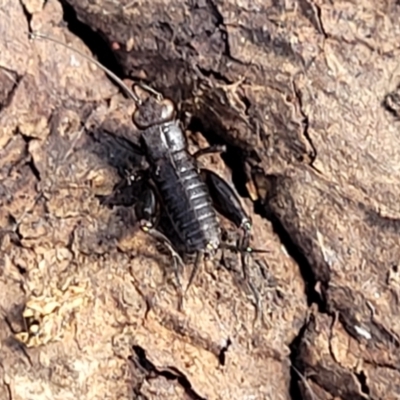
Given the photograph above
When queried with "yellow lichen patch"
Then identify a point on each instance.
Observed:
(50, 318)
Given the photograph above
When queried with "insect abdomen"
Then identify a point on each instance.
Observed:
(187, 202)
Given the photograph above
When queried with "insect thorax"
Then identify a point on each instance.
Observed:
(164, 139)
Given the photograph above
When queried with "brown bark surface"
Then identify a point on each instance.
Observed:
(305, 94)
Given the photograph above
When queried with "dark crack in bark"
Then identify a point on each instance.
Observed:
(170, 373)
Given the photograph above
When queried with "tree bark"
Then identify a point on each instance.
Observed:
(306, 97)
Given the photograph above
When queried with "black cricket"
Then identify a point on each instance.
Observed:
(188, 193)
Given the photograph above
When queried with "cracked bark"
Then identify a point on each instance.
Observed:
(306, 98)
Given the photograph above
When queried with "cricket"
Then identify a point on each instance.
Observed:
(190, 195)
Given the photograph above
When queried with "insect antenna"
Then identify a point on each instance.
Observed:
(111, 75)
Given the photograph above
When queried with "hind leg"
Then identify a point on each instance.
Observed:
(227, 203)
(147, 212)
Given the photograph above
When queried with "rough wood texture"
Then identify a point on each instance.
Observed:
(306, 95)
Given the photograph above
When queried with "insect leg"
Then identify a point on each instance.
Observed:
(209, 150)
(125, 192)
(199, 258)
(146, 211)
(227, 203)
